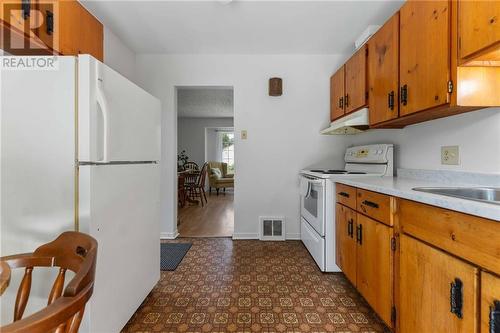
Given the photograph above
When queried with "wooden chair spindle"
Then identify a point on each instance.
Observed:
(23, 294)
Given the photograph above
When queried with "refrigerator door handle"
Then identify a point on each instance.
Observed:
(103, 106)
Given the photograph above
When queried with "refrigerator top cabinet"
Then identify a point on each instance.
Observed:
(111, 120)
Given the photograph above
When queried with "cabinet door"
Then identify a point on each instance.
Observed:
(337, 94)
(375, 265)
(383, 72)
(70, 27)
(427, 278)
(424, 55)
(479, 26)
(92, 36)
(356, 81)
(346, 241)
(490, 301)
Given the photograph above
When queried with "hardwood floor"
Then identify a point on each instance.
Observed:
(216, 219)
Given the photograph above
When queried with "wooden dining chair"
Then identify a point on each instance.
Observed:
(72, 251)
(191, 172)
(197, 189)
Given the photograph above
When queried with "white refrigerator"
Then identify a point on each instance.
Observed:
(80, 150)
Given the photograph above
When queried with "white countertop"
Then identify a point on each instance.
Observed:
(402, 187)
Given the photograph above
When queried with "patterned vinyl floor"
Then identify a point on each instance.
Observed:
(252, 286)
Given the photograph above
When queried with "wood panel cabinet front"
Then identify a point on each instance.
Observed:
(383, 72)
(375, 265)
(356, 81)
(424, 55)
(346, 241)
(337, 94)
(479, 29)
(438, 292)
(490, 303)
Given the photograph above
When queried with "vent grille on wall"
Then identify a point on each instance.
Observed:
(272, 228)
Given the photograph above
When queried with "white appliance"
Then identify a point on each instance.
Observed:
(353, 123)
(80, 147)
(317, 198)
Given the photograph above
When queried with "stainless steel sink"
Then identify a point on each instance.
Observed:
(483, 194)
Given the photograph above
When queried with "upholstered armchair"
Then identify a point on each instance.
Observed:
(218, 176)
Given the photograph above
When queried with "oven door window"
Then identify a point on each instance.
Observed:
(311, 202)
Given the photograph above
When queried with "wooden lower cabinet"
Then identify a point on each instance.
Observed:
(364, 254)
(490, 301)
(346, 241)
(375, 265)
(429, 282)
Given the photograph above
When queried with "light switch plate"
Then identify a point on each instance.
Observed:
(243, 134)
(450, 155)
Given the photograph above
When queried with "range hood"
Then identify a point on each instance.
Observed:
(353, 123)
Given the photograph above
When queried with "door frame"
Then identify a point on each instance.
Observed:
(175, 150)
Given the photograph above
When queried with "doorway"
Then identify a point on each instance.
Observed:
(206, 161)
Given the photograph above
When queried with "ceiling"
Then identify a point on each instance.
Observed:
(241, 27)
(204, 102)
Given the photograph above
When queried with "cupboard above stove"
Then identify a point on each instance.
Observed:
(432, 59)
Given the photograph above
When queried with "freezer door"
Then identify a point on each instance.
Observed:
(37, 166)
(117, 120)
(119, 206)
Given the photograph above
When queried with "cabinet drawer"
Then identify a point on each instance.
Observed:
(374, 205)
(346, 195)
(473, 238)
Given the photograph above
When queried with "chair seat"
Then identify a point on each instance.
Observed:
(225, 180)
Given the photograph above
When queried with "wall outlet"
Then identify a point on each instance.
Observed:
(243, 134)
(450, 155)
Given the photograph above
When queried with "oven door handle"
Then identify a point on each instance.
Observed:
(315, 181)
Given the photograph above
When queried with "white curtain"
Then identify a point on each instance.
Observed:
(218, 146)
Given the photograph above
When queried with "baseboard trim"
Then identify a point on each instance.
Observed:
(245, 236)
(169, 235)
(294, 236)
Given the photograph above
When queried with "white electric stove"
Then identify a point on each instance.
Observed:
(317, 197)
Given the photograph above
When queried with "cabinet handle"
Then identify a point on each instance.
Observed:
(390, 100)
(341, 102)
(404, 94)
(346, 100)
(456, 297)
(49, 18)
(370, 204)
(359, 234)
(26, 8)
(350, 228)
(495, 317)
(344, 194)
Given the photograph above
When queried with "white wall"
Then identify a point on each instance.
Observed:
(419, 146)
(191, 135)
(118, 55)
(283, 132)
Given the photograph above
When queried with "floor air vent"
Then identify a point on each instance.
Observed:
(272, 228)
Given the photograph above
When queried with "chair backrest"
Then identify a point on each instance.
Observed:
(203, 174)
(219, 165)
(191, 166)
(72, 251)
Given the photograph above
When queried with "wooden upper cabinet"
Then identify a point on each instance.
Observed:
(337, 94)
(430, 281)
(57, 26)
(356, 84)
(424, 55)
(383, 72)
(479, 30)
(346, 241)
(490, 301)
(80, 32)
(375, 265)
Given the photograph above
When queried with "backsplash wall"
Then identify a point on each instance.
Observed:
(419, 146)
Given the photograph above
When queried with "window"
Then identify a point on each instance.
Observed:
(228, 150)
